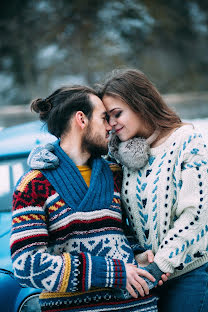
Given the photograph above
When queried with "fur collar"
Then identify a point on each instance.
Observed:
(133, 153)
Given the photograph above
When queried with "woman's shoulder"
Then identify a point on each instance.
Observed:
(181, 141)
(191, 144)
(190, 133)
(187, 134)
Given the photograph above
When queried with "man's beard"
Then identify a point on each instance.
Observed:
(94, 144)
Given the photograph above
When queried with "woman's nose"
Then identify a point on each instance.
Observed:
(112, 121)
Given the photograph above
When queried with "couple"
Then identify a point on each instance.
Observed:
(68, 234)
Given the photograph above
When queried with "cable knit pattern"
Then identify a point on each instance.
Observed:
(167, 201)
(76, 256)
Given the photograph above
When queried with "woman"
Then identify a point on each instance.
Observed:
(165, 189)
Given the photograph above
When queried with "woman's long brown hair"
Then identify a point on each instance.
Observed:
(135, 89)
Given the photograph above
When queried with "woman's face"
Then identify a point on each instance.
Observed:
(126, 123)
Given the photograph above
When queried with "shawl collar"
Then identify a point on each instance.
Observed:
(69, 183)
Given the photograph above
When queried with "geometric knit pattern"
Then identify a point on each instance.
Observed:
(166, 202)
(78, 258)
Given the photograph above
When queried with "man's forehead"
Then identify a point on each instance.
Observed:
(97, 103)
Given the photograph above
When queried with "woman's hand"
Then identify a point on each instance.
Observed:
(164, 278)
(145, 258)
(134, 280)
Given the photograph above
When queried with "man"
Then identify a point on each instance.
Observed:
(67, 236)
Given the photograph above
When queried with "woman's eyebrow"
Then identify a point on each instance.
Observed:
(110, 111)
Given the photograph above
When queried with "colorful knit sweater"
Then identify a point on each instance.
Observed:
(167, 202)
(70, 242)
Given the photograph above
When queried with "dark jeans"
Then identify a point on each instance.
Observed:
(188, 292)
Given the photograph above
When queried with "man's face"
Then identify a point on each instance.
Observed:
(95, 138)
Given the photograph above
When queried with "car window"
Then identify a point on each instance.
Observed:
(10, 172)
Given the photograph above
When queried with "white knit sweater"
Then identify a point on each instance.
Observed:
(167, 202)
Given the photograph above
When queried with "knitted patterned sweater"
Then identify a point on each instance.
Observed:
(72, 245)
(167, 202)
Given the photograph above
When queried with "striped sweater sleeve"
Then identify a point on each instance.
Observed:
(34, 263)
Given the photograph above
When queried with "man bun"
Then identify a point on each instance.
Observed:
(42, 107)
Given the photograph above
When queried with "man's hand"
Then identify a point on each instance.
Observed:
(134, 280)
(145, 258)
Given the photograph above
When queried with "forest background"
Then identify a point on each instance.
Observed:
(48, 43)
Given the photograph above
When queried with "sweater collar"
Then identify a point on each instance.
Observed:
(69, 183)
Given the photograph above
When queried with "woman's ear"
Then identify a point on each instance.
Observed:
(81, 119)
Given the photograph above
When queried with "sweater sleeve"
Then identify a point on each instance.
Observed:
(34, 262)
(133, 242)
(187, 238)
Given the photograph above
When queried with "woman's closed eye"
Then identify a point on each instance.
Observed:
(118, 114)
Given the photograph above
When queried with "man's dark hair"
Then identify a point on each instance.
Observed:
(59, 107)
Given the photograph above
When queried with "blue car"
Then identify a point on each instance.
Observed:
(15, 144)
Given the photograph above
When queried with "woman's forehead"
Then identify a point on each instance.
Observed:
(111, 102)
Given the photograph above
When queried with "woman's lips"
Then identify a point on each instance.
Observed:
(118, 130)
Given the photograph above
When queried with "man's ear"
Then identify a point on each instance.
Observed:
(81, 119)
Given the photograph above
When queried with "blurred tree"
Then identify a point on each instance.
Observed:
(180, 35)
(45, 43)
(19, 46)
(167, 40)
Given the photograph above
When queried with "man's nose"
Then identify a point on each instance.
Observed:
(108, 126)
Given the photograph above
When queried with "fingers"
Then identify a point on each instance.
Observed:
(135, 281)
(150, 256)
(131, 291)
(145, 258)
(146, 274)
(142, 286)
(164, 278)
(160, 283)
(138, 283)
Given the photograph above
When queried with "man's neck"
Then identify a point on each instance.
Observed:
(73, 150)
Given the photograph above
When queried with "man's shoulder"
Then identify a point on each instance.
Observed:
(29, 177)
